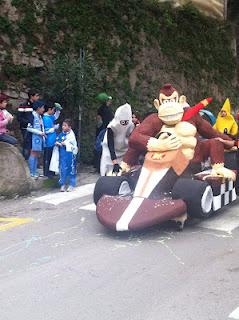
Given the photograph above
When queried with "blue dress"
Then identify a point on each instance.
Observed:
(67, 163)
(37, 140)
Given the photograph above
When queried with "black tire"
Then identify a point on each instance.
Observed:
(110, 186)
(196, 194)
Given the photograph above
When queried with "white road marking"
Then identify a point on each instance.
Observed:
(234, 314)
(226, 222)
(89, 207)
(61, 197)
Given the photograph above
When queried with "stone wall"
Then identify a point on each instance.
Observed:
(214, 8)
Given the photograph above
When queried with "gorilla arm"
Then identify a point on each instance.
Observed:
(142, 140)
(149, 128)
(139, 138)
(164, 143)
(207, 131)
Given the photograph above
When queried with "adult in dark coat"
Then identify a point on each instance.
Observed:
(104, 112)
(24, 116)
(104, 116)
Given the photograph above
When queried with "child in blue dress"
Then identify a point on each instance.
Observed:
(36, 136)
(66, 141)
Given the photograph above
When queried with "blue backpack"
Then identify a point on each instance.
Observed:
(99, 140)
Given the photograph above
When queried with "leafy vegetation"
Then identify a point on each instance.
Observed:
(132, 47)
(193, 45)
(7, 28)
(73, 82)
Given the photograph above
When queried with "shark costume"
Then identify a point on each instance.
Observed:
(115, 142)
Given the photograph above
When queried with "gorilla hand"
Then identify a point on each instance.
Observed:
(124, 167)
(218, 170)
(164, 143)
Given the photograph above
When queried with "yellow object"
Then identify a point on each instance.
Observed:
(226, 124)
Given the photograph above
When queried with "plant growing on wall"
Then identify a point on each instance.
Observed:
(139, 44)
(74, 83)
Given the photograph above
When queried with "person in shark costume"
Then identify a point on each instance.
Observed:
(115, 142)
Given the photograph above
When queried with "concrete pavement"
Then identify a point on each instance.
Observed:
(62, 264)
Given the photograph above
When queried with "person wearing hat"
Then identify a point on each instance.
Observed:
(36, 136)
(5, 119)
(104, 116)
(24, 115)
(104, 112)
(52, 113)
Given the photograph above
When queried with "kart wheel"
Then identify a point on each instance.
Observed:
(111, 186)
(197, 195)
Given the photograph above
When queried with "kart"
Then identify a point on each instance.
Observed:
(166, 187)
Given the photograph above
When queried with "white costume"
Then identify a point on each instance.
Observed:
(122, 126)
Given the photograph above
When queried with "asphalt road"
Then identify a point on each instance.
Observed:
(63, 265)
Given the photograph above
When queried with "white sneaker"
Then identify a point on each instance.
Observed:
(63, 188)
(70, 188)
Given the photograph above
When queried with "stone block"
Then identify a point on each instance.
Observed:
(14, 173)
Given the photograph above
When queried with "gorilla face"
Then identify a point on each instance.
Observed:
(170, 112)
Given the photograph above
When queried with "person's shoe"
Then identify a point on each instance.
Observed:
(35, 176)
(63, 188)
(70, 188)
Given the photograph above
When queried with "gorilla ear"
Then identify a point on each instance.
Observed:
(156, 103)
(182, 99)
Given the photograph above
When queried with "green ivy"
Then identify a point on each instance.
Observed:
(186, 45)
(6, 27)
(15, 72)
(74, 83)
(2, 85)
(27, 24)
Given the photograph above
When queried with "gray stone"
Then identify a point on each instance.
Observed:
(23, 95)
(19, 58)
(14, 173)
(6, 39)
(3, 55)
(11, 93)
(35, 62)
(9, 10)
